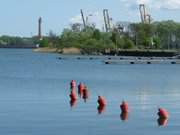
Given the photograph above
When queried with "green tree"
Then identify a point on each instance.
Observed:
(44, 43)
(142, 33)
(128, 44)
(156, 42)
(97, 34)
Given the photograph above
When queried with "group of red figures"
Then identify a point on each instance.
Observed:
(83, 93)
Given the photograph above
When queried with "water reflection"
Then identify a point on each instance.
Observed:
(80, 93)
(101, 109)
(124, 116)
(162, 121)
(73, 98)
(85, 95)
(163, 117)
(73, 103)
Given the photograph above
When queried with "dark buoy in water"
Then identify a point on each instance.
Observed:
(107, 62)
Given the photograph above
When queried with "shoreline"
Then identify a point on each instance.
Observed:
(135, 53)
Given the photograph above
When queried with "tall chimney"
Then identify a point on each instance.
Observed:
(39, 28)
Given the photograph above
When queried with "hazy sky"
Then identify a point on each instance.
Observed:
(19, 17)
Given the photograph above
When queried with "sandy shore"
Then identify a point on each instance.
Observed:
(46, 50)
(55, 50)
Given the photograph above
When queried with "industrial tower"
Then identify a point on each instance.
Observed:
(39, 28)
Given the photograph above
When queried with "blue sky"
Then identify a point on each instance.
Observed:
(19, 17)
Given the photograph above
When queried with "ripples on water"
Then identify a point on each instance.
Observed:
(34, 95)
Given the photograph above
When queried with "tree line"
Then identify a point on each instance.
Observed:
(157, 35)
(16, 42)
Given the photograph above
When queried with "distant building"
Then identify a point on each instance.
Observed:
(123, 26)
(77, 27)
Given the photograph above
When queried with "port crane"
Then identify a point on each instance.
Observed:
(107, 20)
(145, 16)
(83, 18)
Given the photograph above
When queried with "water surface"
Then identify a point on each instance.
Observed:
(34, 89)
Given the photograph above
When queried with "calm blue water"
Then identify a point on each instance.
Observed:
(34, 96)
